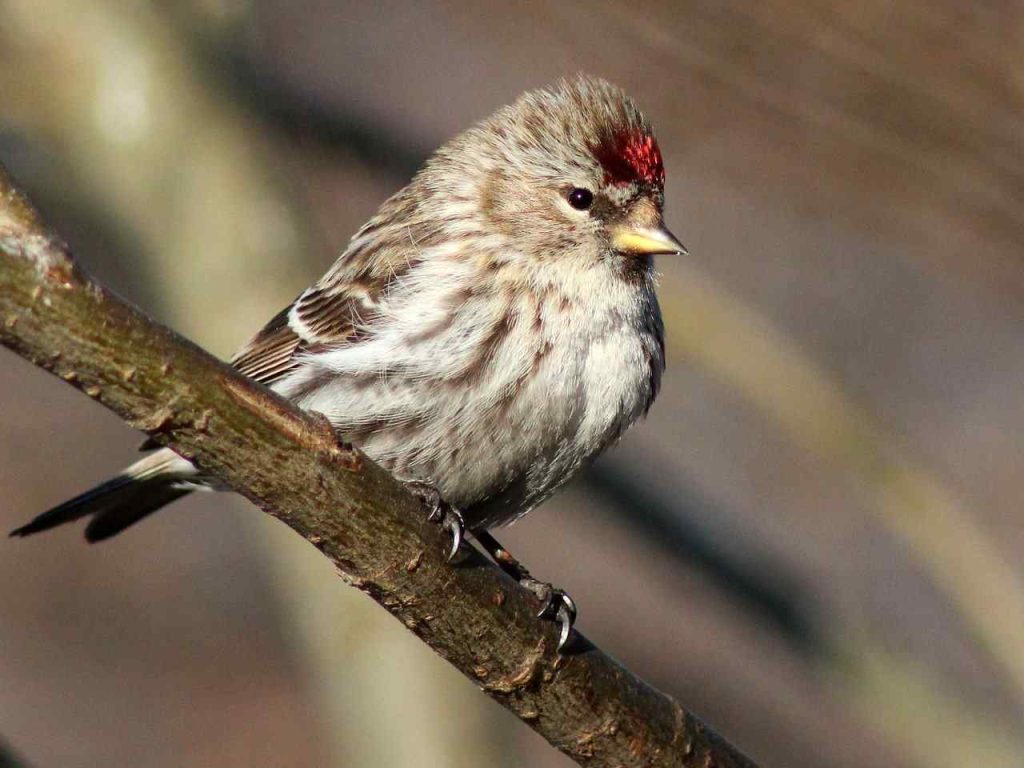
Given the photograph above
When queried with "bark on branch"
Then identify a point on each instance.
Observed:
(291, 465)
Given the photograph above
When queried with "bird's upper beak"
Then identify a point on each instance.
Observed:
(646, 241)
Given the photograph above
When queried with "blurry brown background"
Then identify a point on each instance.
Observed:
(814, 541)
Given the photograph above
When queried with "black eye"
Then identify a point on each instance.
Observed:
(580, 198)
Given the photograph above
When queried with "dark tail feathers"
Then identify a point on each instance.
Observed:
(121, 501)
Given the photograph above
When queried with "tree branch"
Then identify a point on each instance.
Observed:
(291, 465)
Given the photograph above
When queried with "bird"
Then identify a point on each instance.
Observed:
(490, 331)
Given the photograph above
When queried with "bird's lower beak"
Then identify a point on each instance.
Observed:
(646, 241)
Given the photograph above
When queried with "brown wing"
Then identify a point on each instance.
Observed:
(270, 353)
(341, 307)
(318, 319)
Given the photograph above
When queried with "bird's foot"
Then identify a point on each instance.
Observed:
(555, 604)
(441, 512)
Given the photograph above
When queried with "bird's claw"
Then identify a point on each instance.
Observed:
(451, 521)
(443, 513)
(556, 605)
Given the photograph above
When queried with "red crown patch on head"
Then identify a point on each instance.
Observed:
(631, 157)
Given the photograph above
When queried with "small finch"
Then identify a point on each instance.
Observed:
(490, 331)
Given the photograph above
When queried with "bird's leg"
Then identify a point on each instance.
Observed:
(440, 512)
(555, 604)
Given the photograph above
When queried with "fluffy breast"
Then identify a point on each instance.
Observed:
(493, 394)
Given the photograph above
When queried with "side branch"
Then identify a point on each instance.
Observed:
(290, 464)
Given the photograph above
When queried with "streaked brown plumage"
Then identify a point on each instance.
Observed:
(488, 332)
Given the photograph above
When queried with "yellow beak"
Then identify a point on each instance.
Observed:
(646, 241)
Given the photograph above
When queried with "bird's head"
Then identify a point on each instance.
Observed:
(570, 173)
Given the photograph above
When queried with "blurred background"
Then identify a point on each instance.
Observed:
(815, 539)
